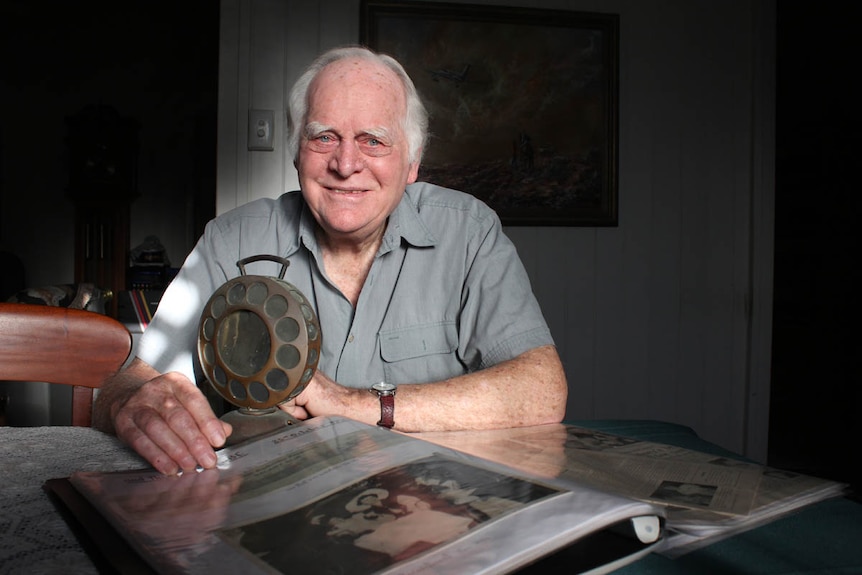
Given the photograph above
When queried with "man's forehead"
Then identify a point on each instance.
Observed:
(357, 74)
(361, 66)
(359, 95)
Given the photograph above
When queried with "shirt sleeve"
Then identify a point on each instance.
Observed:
(500, 316)
(170, 341)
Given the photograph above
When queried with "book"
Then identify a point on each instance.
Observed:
(705, 496)
(335, 495)
(136, 307)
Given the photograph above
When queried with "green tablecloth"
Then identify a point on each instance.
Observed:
(823, 538)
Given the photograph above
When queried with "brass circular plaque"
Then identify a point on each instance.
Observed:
(258, 341)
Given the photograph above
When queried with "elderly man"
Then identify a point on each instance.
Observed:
(412, 283)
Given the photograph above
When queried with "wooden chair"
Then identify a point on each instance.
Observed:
(62, 345)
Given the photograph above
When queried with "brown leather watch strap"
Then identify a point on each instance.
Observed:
(387, 410)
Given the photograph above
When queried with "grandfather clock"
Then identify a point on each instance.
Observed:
(103, 155)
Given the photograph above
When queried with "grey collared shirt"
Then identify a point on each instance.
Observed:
(446, 293)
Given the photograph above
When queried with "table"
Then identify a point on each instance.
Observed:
(34, 539)
(825, 538)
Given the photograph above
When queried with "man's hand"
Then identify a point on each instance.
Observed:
(164, 417)
(322, 396)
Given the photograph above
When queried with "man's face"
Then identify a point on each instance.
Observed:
(353, 158)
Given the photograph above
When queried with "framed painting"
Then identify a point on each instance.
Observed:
(523, 103)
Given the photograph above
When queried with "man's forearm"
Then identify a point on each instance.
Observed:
(530, 389)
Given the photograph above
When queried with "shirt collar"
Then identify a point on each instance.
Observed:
(405, 223)
(307, 225)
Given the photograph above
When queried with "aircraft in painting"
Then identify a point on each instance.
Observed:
(455, 77)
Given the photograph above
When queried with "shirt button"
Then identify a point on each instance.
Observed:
(350, 338)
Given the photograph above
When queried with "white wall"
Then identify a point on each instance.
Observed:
(668, 315)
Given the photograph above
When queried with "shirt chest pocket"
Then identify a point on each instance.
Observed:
(420, 354)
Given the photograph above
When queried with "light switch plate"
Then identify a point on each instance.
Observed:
(261, 126)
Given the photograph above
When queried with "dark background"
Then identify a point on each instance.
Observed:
(168, 52)
(816, 402)
(155, 63)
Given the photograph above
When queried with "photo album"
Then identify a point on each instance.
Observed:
(331, 495)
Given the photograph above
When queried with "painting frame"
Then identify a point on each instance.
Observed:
(523, 103)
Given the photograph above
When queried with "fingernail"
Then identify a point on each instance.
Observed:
(217, 438)
(209, 460)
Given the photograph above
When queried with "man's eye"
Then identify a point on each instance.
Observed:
(322, 142)
(375, 147)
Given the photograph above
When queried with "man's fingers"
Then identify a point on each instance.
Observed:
(189, 416)
(186, 444)
(227, 429)
(170, 423)
(294, 411)
(205, 420)
(138, 440)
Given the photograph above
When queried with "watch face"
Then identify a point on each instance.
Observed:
(383, 387)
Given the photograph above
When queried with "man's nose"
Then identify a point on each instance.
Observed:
(347, 159)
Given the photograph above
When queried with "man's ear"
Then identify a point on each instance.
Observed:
(414, 172)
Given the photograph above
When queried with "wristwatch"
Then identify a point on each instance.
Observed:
(386, 393)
